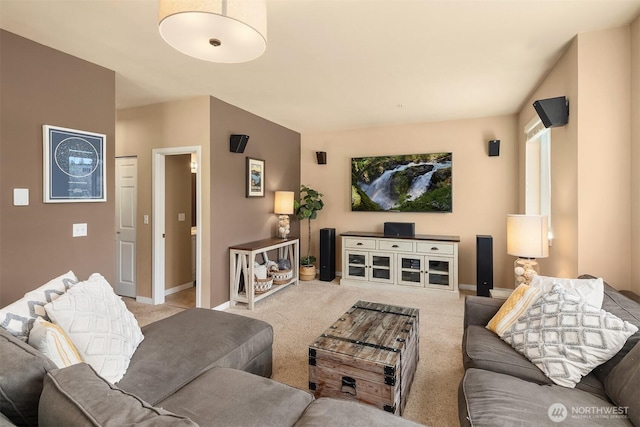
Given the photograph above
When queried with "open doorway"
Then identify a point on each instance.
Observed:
(176, 253)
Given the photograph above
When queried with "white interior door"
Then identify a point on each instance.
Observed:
(126, 199)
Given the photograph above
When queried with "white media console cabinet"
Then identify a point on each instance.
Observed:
(420, 261)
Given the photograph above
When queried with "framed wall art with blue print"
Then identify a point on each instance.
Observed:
(74, 167)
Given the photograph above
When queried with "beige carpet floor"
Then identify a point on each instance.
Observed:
(146, 313)
(300, 313)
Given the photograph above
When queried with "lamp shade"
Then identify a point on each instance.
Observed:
(227, 31)
(527, 236)
(283, 203)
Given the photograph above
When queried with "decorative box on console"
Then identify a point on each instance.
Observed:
(369, 354)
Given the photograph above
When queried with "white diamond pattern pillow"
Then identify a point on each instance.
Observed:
(566, 338)
(591, 290)
(99, 324)
(18, 318)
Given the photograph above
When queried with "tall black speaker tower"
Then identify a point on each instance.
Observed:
(484, 265)
(327, 254)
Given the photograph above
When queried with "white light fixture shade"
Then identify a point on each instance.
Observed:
(195, 27)
(283, 203)
(527, 236)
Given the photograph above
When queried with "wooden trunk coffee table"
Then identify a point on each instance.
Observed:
(369, 354)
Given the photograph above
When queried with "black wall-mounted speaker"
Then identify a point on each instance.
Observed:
(494, 147)
(237, 143)
(327, 254)
(321, 156)
(553, 111)
(484, 265)
(402, 229)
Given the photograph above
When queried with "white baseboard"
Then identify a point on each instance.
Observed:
(145, 300)
(178, 288)
(498, 292)
(222, 307)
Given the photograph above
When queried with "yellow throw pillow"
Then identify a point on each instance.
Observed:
(515, 306)
(54, 343)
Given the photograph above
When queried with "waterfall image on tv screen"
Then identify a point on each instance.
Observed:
(409, 183)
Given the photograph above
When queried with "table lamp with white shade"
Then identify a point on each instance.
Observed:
(283, 207)
(527, 238)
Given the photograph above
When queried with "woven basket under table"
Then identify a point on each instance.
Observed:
(281, 277)
(262, 285)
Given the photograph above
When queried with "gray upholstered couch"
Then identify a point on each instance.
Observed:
(501, 387)
(198, 367)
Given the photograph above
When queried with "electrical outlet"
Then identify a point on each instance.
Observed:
(79, 230)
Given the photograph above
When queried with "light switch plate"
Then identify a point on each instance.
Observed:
(181, 217)
(20, 197)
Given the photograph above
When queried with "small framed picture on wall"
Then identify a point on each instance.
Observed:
(74, 168)
(255, 177)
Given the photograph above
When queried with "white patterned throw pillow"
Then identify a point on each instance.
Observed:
(99, 324)
(592, 290)
(565, 337)
(18, 318)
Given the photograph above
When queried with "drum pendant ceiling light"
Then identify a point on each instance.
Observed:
(227, 31)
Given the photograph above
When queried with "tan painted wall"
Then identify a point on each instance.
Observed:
(484, 188)
(635, 156)
(591, 208)
(174, 124)
(40, 86)
(178, 247)
(604, 141)
(561, 81)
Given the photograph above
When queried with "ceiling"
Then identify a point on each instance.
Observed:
(335, 64)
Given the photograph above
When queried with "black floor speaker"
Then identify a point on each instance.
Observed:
(327, 254)
(484, 265)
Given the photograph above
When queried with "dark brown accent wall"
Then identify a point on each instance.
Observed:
(236, 219)
(39, 86)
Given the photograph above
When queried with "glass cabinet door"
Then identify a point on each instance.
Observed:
(381, 267)
(410, 270)
(356, 267)
(439, 273)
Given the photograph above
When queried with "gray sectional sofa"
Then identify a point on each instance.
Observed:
(198, 367)
(501, 387)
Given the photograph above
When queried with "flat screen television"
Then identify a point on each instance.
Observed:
(407, 183)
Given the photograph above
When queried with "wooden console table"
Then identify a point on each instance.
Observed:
(242, 259)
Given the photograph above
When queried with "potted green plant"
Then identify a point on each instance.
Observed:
(307, 209)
